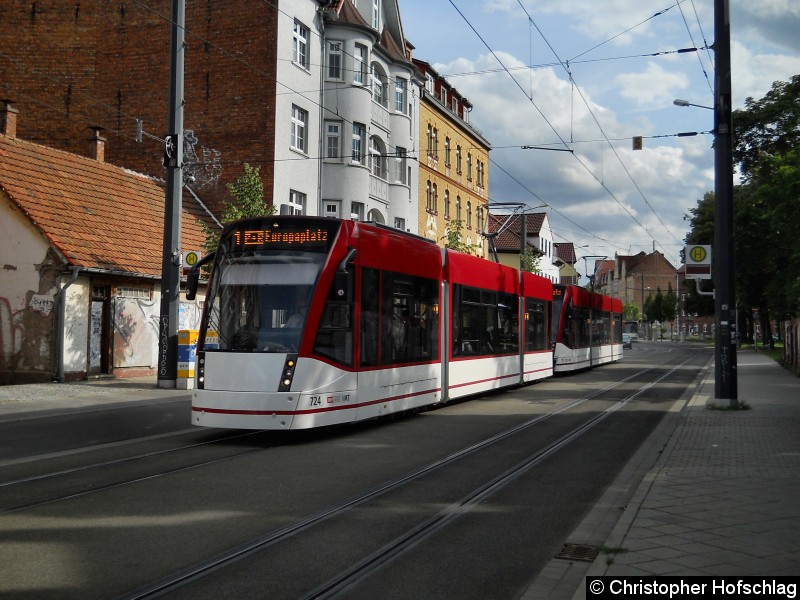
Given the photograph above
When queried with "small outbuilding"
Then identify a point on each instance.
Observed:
(80, 262)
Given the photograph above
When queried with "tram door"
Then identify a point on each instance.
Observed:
(100, 330)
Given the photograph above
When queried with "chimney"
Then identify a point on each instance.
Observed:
(97, 144)
(8, 119)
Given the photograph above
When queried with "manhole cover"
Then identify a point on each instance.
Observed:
(578, 552)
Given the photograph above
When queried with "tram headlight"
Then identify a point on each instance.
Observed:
(200, 365)
(287, 374)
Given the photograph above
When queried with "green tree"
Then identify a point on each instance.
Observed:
(454, 238)
(247, 200)
(530, 261)
(767, 222)
(767, 128)
(630, 312)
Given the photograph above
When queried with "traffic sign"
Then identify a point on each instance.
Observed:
(698, 261)
(190, 258)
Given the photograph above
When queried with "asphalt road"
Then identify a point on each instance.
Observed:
(467, 501)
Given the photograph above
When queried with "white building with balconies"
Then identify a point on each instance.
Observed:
(360, 124)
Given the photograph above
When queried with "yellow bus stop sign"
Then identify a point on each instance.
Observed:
(698, 254)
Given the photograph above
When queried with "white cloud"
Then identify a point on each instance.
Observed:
(651, 86)
(628, 90)
(753, 74)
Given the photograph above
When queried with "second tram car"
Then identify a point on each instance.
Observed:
(315, 321)
(587, 328)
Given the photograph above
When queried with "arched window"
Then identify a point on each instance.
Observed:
(469, 214)
(428, 197)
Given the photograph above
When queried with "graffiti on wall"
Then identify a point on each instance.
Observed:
(200, 168)
(189, 315)
(135, 332)
(12, 332)
(42, 303)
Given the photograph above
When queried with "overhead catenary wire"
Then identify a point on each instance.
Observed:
(583, 164)
(547, 121)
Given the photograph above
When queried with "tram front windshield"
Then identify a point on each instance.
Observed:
(258, 302)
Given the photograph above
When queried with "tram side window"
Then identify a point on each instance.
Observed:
(485, 322)
(602, 332)
(399, 318)
(507, 324)
(616, 328)
(580, 327)
(370, 317)
(536, 325)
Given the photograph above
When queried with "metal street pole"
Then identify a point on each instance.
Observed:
(725, 382)
(171, 255)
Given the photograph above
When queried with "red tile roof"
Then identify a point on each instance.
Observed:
(508, 239)
(95, 214)
(566, 252)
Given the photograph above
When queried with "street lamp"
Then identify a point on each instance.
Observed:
(679, 102)
(591, 297)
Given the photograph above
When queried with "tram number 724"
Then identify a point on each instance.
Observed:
(333, 399)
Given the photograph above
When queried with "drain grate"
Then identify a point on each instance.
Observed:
(578, 552)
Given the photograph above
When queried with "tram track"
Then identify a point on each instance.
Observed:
(111, 464)
(46, 477)
(374, 560)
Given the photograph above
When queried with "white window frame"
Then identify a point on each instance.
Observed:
(300, 45)
(332, 208)
(360, 64)
(401, 155)
(378, 85)
(400, 93)
(429, 83)
(297, 202)
(377, 157)
(357, 210)
(333, 140)
(299, 137)
(335, 56)
(357, 147)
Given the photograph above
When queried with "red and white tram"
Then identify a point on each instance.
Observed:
(587, 328)
(315, 321)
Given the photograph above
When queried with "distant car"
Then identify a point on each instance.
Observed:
(627, 340)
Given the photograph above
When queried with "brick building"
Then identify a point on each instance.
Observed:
(267, 83)
(634, 279)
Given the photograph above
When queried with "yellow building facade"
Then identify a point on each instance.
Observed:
(453, 166)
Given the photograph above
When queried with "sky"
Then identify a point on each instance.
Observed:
(588, 76)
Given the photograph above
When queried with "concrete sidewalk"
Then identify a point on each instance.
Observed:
(49, 396)
(723, 499)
